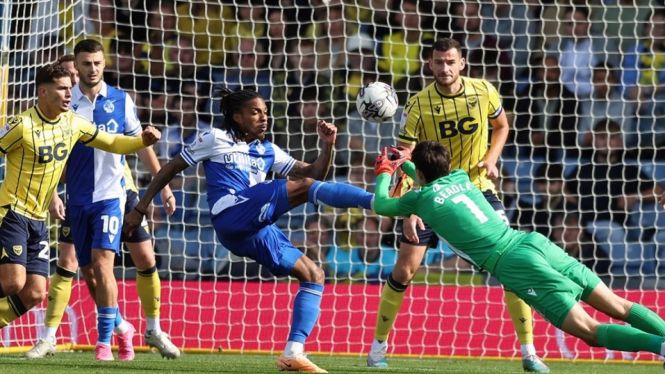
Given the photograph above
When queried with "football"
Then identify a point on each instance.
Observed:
(377, 102)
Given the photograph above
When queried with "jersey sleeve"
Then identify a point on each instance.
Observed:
(283, 161)
(495, 107)
(11, 134)
(408, 132)
(132, 123)
(200, 149)
(407, 203)
(87, 131)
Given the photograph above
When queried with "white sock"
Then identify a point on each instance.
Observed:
(293, 348)
(376, 346)
(49, 333)
(152, 325)
(121, 328)
(528, 349)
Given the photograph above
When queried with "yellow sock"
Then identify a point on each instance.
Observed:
(391, 300)
(11, 307)
(59, 293)
(521, 315)
(149, 288)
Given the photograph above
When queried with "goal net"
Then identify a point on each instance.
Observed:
(581, 84)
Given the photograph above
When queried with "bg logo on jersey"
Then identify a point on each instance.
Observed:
(46, 153)
(450, 129)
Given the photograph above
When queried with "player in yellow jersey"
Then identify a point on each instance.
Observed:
(140, 248)
(37, 144)
(455, 111)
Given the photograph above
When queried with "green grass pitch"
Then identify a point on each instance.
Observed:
(144, 363)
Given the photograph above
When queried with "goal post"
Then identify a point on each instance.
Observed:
(309, 59)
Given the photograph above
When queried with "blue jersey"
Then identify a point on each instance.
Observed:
(234, 166)
(92, 174)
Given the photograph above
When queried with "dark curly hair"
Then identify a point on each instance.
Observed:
(230, 103)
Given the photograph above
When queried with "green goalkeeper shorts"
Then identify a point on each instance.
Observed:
(545, 277)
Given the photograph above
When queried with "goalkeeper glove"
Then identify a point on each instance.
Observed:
(384, 164)
(400, 152)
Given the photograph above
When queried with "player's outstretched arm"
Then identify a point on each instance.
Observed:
(149, 160)
(134, 218)
(124, 144)
(319, 168)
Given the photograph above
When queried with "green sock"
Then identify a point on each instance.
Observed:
(628, 339)
(644, 319)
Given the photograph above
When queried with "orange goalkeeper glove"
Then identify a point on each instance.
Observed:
(388, 163)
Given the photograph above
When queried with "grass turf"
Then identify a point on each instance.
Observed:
(83, 362)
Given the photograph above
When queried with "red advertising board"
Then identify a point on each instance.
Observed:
(434, 320)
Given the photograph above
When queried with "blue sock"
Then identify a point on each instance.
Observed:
(306, 310)
(340, 195)
(118, 319)
(105, 321)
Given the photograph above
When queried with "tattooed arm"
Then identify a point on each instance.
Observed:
(319, 168)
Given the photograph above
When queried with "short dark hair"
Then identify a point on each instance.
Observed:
(49, 73)
(88, 46)
(66, 58)
(230, 103)
(432, 159)
(447, 44)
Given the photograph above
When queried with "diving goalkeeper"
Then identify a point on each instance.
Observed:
(539, 272)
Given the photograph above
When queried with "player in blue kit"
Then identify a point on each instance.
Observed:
(99, 189)
(244, 206)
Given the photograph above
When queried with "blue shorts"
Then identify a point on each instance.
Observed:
(246, 226)
(428, 236)
(97, 225)
(139, 235)
(24, 241)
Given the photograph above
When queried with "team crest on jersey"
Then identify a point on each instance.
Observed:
(261, 149)
(109, 107)
(472, 101)
(18, 249)
(65, 231)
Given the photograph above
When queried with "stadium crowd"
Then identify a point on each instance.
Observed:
(583, 83)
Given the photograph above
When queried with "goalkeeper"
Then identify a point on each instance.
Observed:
(529, 265)
(458, 112)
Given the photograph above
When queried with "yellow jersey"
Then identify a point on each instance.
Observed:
(460, 122)
(129, 180)
(37, 149)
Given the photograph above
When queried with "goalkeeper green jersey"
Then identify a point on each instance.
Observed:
(456, 210)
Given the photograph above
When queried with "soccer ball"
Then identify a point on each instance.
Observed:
(377, 102)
